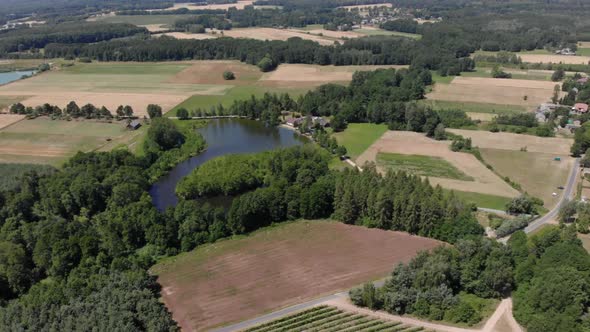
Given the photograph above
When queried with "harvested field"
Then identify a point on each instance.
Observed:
(421, 166)
(185, 35)
(481, 116)
(211, 72)
(537, 173)
(365, 7)
(236, 279)
(8, 119)
(191, 6)
(508, 141)
(45, 141)
(494, 91)
(543, 58)
(111, 85)
(274, 34)
(410, 143)
(154, 27)
(316, 73)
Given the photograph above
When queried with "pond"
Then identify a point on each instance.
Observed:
(12, 76)
(224, 136)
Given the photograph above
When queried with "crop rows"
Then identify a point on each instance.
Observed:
(330, 319)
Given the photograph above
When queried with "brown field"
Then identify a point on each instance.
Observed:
(508, 141)
(292, 73)
(154, 27)
(185, 35)
(546, 58)
(274, 34)
(190, 6)
(211, 72)
(364, 7)
(537, 173)
(410, 143)
(237, 279)
(8, 119)
(494, 91)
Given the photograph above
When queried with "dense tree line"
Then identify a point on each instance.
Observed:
(22, 39)
(435, 284)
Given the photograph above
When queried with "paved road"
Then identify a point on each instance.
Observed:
(568, 192)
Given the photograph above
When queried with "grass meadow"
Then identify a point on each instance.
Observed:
(359, 136)
(421, 166)
(483, 200)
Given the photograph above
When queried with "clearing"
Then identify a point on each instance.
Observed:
(275, 34)
(537, 173)
(558, 147)
(357, 137)
(45, 141)
(410, 143)
(420, 165)
(240, 278)
(545, 58)
(526, 93)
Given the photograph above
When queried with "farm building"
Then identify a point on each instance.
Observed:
(580, 108)
(318, 120)
(293, 122)
(134, 125)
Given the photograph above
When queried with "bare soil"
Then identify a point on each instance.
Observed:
(494, 91)
(237, 279)
(486, 182)
(509, 141)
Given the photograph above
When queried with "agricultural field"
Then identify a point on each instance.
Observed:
(140, 20)
(520, 74)
(192, 6)
(111, 85)
(9, 119)
(276, 34)
(45, 141)
(558, 147)
(328, 319)
(359, 136)
(554, 58)
(483, 200)
(537, 173)
(370, 31)
(523, 93)
(241, 278)
(184, 35)
(410, 143)
(293, 75)
(420, 165)
(472, 107)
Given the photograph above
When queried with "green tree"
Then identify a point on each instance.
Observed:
(182, 113)
(266, 64)
(154, 111)
(228, 75)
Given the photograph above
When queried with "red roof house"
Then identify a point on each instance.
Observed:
(580, 108)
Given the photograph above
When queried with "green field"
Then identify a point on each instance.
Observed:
(331, 319)
(516, 74)
(583, 51)
(474, 107)
(483, 200)
(436, 78)
(421, 165)
(359, 136)
(142, 19)
(6, 101)
(380, 32)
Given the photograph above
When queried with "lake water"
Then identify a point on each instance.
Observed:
(224, 136)
(14, 76)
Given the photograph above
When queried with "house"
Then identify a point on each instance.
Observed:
(293, 122)
(580, 108)
(134, 125)
(547, 107)
(318, 120)
(565, 51)
(573, 125)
